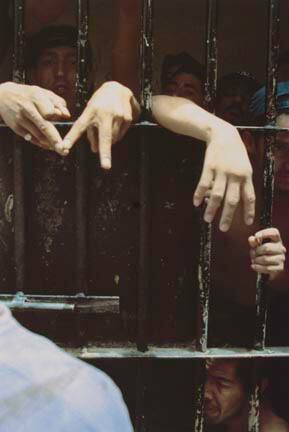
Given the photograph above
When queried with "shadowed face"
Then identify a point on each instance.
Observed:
(184, 85)
(233, 103)
(225, 396)
(55, 70)
(282, 155)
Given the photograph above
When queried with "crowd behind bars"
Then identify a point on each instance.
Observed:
(226, 178)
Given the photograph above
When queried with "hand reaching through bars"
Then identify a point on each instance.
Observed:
(269, 257)
(227, 172)
(27, 110)
(106, 118)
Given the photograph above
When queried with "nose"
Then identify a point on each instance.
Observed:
(208, 392)
(60, 69)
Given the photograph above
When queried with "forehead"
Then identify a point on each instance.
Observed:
(59, 51)
(225, 369)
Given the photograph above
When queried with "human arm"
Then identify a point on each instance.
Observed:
(106, 118)
(227, 172)
(27, 110)
(269, 257)
(126, 40)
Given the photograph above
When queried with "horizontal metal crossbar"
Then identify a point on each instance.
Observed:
(147, 124)
(78, 302)
(116, 351)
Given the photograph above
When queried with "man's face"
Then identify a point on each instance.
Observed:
(225, 396)
(282, 155)
(185, 85)
(55, 70)
(233, 104)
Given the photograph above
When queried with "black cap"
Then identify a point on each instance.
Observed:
(184, 63)
(51, 37)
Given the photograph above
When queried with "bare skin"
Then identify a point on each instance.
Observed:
(226, 400)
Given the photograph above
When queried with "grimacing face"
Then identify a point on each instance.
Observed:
(55, 70)
(225, 396)
(185, 85)
(282, 155)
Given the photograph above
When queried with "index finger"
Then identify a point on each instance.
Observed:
(46, 128)
(79, 127)
(105, 142)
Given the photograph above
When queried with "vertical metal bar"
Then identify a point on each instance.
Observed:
(146, 57)
(204, 272)
(200, 375)
(268, 179)
(18, 163)
(254, 399)
(81, 151)
(142, 379)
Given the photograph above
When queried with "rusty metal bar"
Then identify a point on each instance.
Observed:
(254, 399)
(114, 350)
(206, 231)
(80, 303)
(146, 57)
(268, 179)
(81, 150)
(18, 162)
(200, 377)
(142, 381)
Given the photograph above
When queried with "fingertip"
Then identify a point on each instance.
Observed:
(67, 144)
(197, 201)
(105, 163)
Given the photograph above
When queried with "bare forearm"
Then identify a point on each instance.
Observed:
(125, 58)
(186, 118)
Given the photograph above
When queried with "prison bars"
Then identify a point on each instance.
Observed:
(81, 150)
(18, 154)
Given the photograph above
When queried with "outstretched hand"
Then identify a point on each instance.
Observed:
(106, 118)
(28, 111)
(226, 176)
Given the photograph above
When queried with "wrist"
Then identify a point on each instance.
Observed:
(221, 130)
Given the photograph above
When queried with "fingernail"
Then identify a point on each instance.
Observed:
(106, 163)
(66, 143)
(208, 218)
(196, 202)
(224, 227)
(253, 266)
(249, 221)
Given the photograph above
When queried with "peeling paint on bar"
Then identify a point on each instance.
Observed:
(146, 57)
(146, 76)
(268, 175)
(117, 351)
(81, 151)
(78, 303)
(206, 230)
(18, 163)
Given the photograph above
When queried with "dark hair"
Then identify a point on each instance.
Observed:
(51, 37)
(184, 63)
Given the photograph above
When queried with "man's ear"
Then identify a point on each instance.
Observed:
(249, 141)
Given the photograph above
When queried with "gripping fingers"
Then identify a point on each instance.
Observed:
(216, 197)
(249, 200)
(269, 260)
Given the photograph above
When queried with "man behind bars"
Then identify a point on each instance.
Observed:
(227, 391)
(234, 287)
(108, 115)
